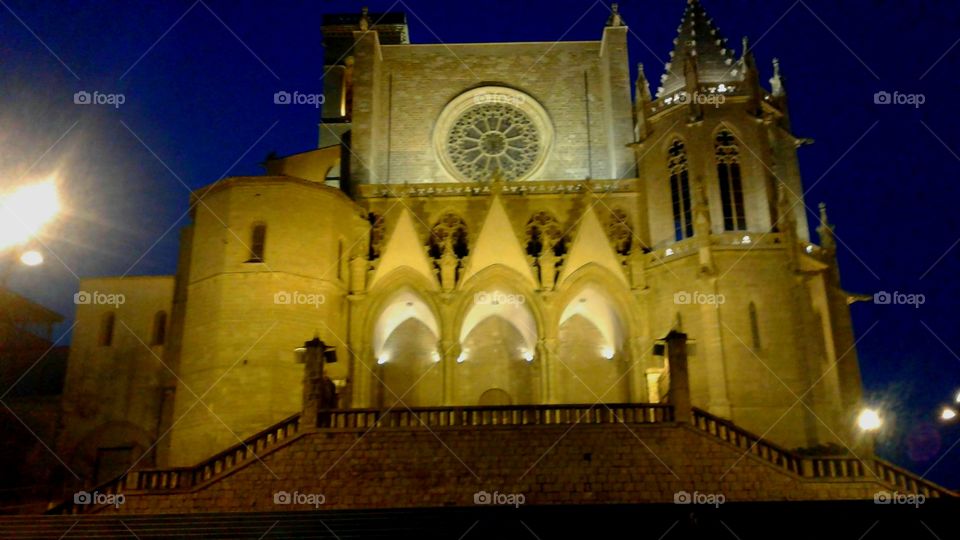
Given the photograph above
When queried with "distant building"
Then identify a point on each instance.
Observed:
(32, 369)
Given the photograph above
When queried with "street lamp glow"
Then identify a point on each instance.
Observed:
(31, 257)
(607, 353)
(527, 355)
(948, 414)
(957, 399)
(869, 420)
(25, 210)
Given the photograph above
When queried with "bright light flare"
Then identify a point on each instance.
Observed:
(607, 352)
(383, 358)
(31, 257)
(869, 420)
(948, 414)
(527, 355)
(25, 210)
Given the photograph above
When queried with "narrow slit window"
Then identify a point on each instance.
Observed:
(754, 326)
(159, 328)
(106, 329)
(258, 239)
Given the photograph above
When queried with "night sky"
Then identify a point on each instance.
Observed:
(198, 81)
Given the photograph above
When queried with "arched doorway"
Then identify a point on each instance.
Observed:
(495, 396)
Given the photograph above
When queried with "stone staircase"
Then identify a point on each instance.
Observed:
(820, 469)
(817, 468)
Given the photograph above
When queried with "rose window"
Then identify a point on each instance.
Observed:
(491, 137)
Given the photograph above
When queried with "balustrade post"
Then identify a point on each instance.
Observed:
(679, 376)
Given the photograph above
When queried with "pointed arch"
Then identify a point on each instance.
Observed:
(516, 303)
(726, 154)
(681, 204)
(601, 280)
(592, 329)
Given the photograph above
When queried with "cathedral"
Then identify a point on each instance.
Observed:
(489, 227)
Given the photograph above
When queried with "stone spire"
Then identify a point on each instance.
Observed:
(641, 105)
(699, 38)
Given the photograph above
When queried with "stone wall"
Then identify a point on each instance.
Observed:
(561, 464)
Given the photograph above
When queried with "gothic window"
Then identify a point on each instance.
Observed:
(106, 329)
(619, 231)
(543, 227)
(754, 326)
(731, 186)
(159, 336)
(258, 238)
(449, 226)
(493, 137)
(680, 190)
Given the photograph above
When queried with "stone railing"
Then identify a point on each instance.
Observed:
(817, 468)
(187, 477)
(504, 415)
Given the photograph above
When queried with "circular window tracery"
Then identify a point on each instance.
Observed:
(492, 129)
(491, 137)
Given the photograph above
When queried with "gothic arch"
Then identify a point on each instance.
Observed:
(498, 324)
(398, 279)
(593, 330)
(497, 278)
(602, 279)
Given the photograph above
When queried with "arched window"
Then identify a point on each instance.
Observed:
(754, 326)
(258, 239)
(106, 329)
(543, 228)
(680, 190)
(731, 186)
(159, 336)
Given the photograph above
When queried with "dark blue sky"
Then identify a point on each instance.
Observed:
(198, 80)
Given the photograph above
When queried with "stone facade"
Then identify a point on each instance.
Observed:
(644, 216)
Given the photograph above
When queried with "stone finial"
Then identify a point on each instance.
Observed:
(615, 18)
(776, 82)
(825, 230)
(364, 19)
